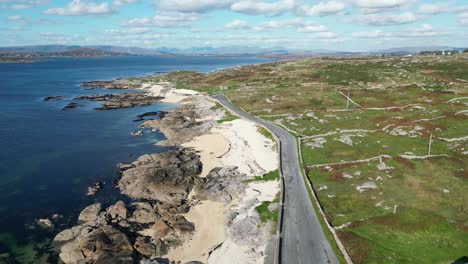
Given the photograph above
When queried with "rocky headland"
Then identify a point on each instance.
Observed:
(191, 204)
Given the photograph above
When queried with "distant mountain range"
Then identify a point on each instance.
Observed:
(106, 50)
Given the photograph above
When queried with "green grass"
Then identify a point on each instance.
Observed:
(265, 133)
(266, 215)
(411, 236)
(228, 116)
(270, 176)
(430, 225)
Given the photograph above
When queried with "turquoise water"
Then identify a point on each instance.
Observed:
(49, 157)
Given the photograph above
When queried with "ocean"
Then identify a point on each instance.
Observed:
(49, 157)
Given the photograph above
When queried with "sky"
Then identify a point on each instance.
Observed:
(342, 25)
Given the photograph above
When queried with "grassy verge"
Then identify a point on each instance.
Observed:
(327, 232)
(228, 116)
(270, 176)
(267, 215)
(265, 133)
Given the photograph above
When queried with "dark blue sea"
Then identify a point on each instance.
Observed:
(49, 157)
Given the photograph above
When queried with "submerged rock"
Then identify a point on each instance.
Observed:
(141, 117)
(53, 98)
(137, 133)
(94, 189)
(71, 106)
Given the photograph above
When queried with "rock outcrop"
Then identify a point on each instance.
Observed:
(123, 100)
(114, 84)
(166, 177)
(102, 245)
(222, 184)
(180, 125)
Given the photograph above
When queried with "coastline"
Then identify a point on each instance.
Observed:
(217, 207)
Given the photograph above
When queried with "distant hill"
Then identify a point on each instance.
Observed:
(414, 50)
(84, 52)
(229, 50)
(25, 55)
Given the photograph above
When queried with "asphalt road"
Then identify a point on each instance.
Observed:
(302, 238)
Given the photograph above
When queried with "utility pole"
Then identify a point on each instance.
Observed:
(430, 143)
(347, 101)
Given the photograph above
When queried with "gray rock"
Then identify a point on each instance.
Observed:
(165, 177)
(90, 213)
(118, 211)
(149, 249)
(273, 206)
(137, 133)
(222, 184)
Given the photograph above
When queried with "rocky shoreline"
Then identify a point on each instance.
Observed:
(166, 190)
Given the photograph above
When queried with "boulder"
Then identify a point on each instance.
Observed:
(143, 213)
(161, 229)
(118, 211)
(90, 213)
(107, 245)
(149, 249)
(184, 225)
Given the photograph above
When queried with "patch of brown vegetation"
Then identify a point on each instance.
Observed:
(404, 161)
(336, 176)
(343, 165)
(357, 247)
(408, 220)
(462, 174)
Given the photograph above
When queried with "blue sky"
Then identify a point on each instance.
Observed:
(353, 25)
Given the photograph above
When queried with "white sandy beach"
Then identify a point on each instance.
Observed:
(234, 143)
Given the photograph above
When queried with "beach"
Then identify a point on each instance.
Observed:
(202, 205)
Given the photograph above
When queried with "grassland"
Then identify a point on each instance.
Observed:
(367, 157)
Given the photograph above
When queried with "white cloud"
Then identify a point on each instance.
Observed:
(385, 19)
(297, 24)
(17, 18)
(82, 8)
(322, 8)
(308, 28)
(173, 19)
(424, 31)
(22, 4)
(379, 6)
(433, 8)
(374, 4)
(163, 19)
(131, 31)
(199, 6)
(326, 35)
(237, 24)
(124, 2)
(463, 18)
(253, 7)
